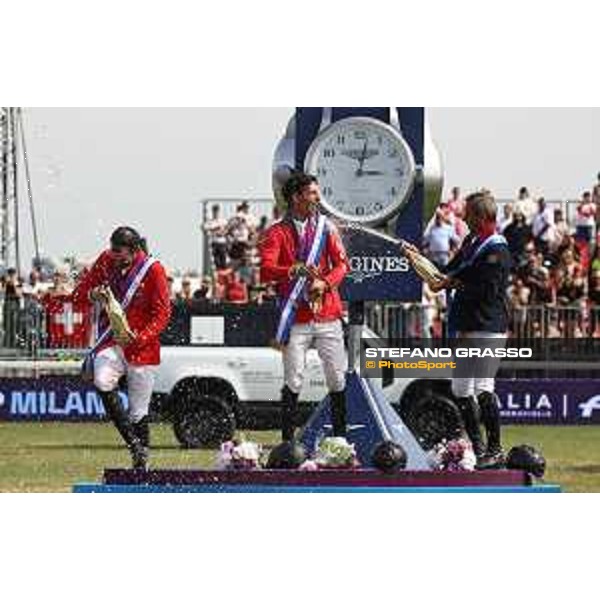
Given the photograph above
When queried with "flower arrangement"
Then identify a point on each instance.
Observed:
(332, 453)
(238, 455)
(454, 455)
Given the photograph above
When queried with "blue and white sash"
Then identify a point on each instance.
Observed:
(493, 240)
(135, 279)
(290, 305)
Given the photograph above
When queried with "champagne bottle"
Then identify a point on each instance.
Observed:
(424, 268)
(116, 315)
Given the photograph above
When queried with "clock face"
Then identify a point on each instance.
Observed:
(365, 169)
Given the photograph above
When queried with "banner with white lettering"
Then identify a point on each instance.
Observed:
(549, 401)
(377, 270)
(50, 399)
(530, 401)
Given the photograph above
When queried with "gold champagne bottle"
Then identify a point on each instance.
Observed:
(424, 268)
(116, 315)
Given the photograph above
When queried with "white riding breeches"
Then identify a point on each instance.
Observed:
(110, 365)
(328, 339)
(473, 386)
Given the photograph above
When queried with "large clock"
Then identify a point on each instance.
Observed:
(365, 168)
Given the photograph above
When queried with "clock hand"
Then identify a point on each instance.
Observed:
(364, 152)
(361, 160)
(373, 173)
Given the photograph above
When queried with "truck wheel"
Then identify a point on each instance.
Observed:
(203, 422)
(432, 419)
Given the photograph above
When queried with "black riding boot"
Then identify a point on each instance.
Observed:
(469, 412)
(142, 431)
(338, 413)
(490, 418)
(116, 413)
(289, 409)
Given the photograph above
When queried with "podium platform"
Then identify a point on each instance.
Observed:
(324, 481)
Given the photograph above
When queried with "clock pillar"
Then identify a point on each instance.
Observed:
(367, 254)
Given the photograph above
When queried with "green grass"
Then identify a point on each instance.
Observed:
(50, 457)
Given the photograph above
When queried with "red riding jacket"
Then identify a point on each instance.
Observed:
(278, 252)
(148, 312)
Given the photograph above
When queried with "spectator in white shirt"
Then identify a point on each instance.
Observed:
(586, 218)
(34, 288)
(241, 232)
(525, 205)
(559, 232)
(543, 224)
(506, 218)
(216, 228)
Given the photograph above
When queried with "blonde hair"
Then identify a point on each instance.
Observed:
(482, 205)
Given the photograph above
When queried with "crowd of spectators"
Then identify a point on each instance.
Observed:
(235, 262)
(554, 290)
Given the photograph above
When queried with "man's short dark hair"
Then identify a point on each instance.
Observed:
(297, 181)
(128, 237)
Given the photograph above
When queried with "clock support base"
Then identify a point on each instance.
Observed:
(370, 417)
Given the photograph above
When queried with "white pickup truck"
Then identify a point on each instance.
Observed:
(224, 375)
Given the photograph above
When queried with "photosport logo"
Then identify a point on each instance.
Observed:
(467, 358)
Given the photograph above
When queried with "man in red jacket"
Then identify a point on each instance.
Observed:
(304, 256)
(127, 266)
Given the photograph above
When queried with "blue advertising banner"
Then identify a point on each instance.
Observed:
(530, 401)
(377, 269)
(50, 399)
(549, 401)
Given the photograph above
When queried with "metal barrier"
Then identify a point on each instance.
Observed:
(26, 326)
(403, 321)
(22, 326)
(28, 329)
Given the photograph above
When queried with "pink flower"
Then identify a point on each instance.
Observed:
(454, 455)
(309, 465)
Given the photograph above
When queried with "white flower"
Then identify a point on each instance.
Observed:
(435, 458)
(247, 451)
(469, 460)
(335, 452)
(238, 455)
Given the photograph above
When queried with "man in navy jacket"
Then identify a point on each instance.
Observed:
(479, 275)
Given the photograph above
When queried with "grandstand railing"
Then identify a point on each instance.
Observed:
(25, 330)
(401, 321)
